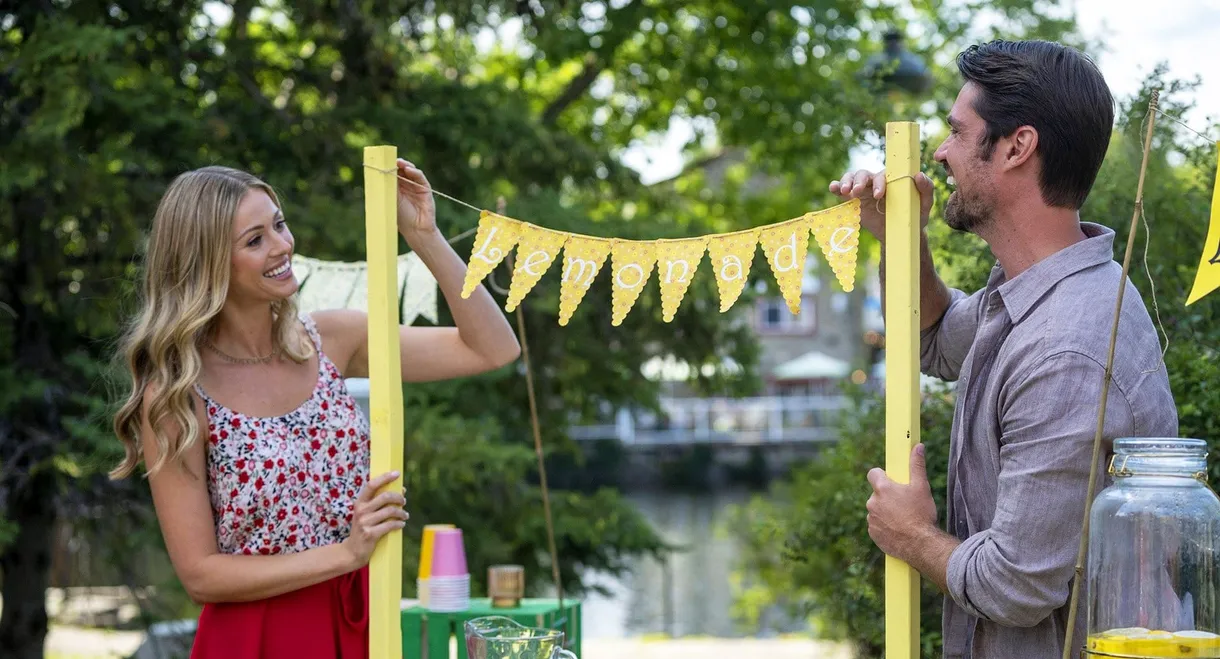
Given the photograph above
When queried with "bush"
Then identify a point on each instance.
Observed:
(806, 544)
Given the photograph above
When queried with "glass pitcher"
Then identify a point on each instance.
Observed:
(1154, 548)
(497, 637)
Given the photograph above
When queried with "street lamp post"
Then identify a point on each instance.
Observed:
(897, 67)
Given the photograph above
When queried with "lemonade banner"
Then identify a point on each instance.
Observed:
(631, 263)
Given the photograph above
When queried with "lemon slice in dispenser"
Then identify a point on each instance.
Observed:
(1199, 643)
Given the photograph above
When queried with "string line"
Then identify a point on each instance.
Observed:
(1182, 124)
(461, 235)
(432, 190)
(1152, 282)
(888, 181)
(577, 235)
(1147, 243)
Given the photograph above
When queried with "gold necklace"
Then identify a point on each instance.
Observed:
(239, 360)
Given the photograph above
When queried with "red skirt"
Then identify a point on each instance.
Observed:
(328, 620)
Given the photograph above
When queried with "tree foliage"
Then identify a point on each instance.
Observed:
(102, 104)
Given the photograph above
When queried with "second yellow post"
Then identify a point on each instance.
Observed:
(901, 366)
(385, 387)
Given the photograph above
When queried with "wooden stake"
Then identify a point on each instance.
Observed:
(1105, 384)
(385, 387)
(901, 366)
(537, 431)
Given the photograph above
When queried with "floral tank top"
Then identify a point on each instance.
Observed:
(285, 484)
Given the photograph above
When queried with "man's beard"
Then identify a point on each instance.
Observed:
(967, 214)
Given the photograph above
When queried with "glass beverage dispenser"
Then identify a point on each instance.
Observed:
(498, 637)
(1153, 578)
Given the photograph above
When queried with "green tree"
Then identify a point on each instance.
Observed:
(101, 104)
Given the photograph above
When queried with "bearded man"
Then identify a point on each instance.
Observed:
(1027, 136)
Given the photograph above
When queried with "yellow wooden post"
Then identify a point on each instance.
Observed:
(385, 386)
(901, 366)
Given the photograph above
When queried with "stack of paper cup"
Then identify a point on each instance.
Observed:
(425, 560)
(449, 584)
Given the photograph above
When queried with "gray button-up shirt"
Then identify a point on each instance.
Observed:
(1028, 355)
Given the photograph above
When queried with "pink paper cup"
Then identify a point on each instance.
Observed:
(448, 553)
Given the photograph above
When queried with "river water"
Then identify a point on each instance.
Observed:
(692, 595)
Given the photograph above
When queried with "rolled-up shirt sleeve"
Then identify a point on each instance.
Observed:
(943, 346)
(1018, 571)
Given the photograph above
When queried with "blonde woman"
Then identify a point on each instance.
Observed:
(257, 455)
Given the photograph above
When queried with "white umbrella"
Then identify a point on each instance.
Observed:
(813, 365)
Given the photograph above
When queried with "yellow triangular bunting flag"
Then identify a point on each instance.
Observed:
(536, 251)
(677, 261)
(582, 259)
(1207, 277)
(496, 236)
(838, 233)
(786, 246)
(630, 266)
(732, 255)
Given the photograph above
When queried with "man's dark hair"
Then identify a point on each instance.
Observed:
(1058, 91)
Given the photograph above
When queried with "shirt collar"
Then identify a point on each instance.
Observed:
(1021, 293)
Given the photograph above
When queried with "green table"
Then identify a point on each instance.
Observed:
(426, 634)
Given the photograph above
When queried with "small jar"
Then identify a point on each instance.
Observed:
(1153, 573)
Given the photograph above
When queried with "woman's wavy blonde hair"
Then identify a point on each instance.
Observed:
(185, 282)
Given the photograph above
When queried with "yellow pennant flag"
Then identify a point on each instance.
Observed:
(786, 246)
(630, 266)
(496, 235)
(838, 233)
(1207, 278)
(582, 259)
(536, 250)
(677, 261)
(732, 254)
